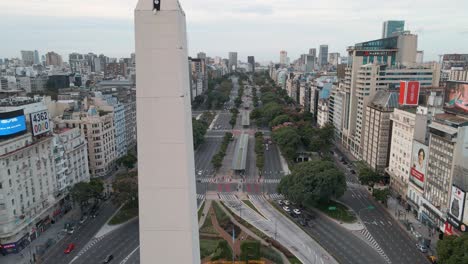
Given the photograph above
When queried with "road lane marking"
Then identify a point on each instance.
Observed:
(129, 255)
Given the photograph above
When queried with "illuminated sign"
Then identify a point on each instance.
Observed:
(456, 97)
(40, 122)
(12, 123)
(374, 53)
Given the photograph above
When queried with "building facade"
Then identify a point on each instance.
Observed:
(392, 27)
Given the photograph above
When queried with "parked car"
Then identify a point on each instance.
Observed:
(286, 202)
(108, 259)
(83, 219)
(422, 248)
(69, 248)
(199, 172)
(297, 211)
(280, 202)
(286, 208)
(71, 230)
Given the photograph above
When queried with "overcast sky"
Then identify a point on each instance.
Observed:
(251, 27)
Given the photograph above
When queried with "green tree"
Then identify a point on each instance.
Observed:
(313, 182)
(279, 120)
(128, 161)
(271, 110)
(96, 187)
(126, 189)
(199, 130)
(288, 140)
(453, 249)
(366, 175)
(80, 192)
(223, 251)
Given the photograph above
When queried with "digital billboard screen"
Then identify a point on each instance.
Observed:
(419, 164)
(456, 97)
(12, 123)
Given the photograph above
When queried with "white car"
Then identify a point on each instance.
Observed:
(286, 208)
(296, 211)
(199, 172)
(280, 202)
(286, 202)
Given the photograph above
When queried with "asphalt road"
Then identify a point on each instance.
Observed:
(80, 237)
(121, 243)
(394, 241)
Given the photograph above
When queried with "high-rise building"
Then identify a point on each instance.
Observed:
(392, 28)
(377, 130)
(379, 65)
(251, 61)
(116, 69)
(283, 57)
(322, 112)
(309, 62)
(36, 57)
(54, 59)
(199, 77)
(98, 129)
(323, 55)
(27, 56)
(201, 55)
(313, 52)
(161, 137)
(334, 58)
(232, 61)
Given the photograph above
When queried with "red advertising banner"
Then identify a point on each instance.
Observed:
(412, 93)
(401, 100)
(416, 174)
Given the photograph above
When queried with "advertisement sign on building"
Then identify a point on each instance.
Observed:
(12, 123)
(419, 157)
(40, 122)
(456, 96)
(457, 203)
(409, 93)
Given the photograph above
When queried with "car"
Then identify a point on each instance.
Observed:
(69, 248)
(297, 211)
(422, 248)
(286, 202)
(280, 202)
(286, 208)
(108, 259)
(200, 172)
(71, 230)
(83, 219)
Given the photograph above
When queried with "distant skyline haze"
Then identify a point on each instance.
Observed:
(251, 27)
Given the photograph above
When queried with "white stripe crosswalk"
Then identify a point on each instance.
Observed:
(374, 244)
(276, 196)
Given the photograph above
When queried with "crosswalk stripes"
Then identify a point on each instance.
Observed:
(276, 196)
(88, 246)
(271, 180)
(374, 244)
(200, 196)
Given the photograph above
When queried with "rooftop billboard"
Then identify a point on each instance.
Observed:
(12, 123)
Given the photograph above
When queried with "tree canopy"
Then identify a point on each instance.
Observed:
(199, 130)
(288, 140)
(313, 182)
(366, 175)
(83, 191)
(126, 189)
(453, 249)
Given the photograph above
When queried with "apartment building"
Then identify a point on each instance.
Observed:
(377, 129)
(99, 132)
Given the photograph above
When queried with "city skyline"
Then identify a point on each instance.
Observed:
(273, 26)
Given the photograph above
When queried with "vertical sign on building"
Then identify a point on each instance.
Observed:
(409, 93)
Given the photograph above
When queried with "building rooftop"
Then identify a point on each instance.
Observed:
(451, 119)
(385, 100)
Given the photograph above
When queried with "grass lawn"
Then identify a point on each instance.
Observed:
(207, 227)
(271, 254)
(341, 213)
(250, 204)
(208, 247)
(294, 261)
(246, 224)
(222, 217)
(201, 210)
(124, 214)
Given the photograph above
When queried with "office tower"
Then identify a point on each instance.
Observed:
(36, 57)
(162, 88)
(392, 28)
(334, 58)
(283, 57)
(323, 55)
(309, 62)
(382, 63)
(27, 56)
(201, 55)
(53, 58)
(313, 52)
(251, 62)
(232, 61)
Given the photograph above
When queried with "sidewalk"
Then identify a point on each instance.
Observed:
(416, 230)
(55, 232)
